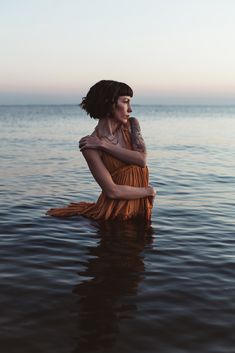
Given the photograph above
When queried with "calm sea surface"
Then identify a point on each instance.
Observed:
(75, 285)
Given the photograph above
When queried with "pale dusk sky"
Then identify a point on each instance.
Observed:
(169, 51)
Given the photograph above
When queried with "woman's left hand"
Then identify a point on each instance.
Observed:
(90, 142)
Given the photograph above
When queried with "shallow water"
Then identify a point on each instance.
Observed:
(75, 285)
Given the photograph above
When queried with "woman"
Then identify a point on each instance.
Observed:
(116, 156)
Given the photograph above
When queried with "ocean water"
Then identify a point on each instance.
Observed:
(76, 285)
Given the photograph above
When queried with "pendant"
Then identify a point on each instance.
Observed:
(112, 139)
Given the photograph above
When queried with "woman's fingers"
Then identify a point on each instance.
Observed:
(81, 144)
(83, 141)
(89, 142)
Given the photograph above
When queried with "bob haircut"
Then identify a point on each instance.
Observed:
(102, 97)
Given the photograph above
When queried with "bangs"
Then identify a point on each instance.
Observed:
(124, 90)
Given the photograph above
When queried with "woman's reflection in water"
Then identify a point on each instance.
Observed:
(114, 270)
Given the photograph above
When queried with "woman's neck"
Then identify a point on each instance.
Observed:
(107, 127)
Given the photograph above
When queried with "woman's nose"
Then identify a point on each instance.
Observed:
(129, 109)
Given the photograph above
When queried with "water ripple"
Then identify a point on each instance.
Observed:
(76, 285)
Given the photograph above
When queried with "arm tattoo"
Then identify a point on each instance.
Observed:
(136, 137)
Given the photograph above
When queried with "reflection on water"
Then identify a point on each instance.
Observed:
(113, 272)
(130, 293)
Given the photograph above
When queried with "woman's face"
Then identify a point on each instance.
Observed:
(122, 109)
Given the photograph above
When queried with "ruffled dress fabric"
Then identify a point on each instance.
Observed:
(111, 209)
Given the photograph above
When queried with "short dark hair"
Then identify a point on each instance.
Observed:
(101, 97)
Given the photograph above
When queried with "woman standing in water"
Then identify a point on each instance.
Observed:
(116, 156)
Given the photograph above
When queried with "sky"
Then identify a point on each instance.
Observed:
(168, 51)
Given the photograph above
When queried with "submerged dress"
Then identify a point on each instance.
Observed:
(110, 209)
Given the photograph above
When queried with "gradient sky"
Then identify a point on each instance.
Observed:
(169, 51)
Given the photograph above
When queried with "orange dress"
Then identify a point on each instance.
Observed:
(110, 209)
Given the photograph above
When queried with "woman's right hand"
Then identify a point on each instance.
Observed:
(151, 194)
(92, 142)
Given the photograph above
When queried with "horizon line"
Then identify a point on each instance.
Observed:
(134, 105)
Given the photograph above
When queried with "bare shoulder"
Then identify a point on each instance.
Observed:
(134, 122)
(86, 138)
(136, 136)
(91, 154)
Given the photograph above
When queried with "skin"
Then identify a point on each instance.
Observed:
(136, 137)
(92, 148)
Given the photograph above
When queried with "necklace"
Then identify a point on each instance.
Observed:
(113, 139)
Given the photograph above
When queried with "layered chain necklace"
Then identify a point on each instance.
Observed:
(114, 139)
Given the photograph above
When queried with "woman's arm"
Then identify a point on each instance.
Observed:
(136, 136)
(104, 179)
(136, 156)
(125, 155)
